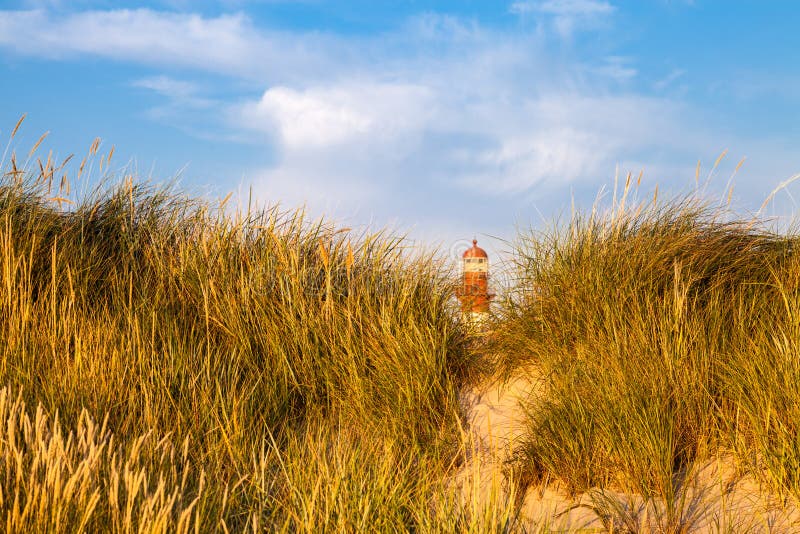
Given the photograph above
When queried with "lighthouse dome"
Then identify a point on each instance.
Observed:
(475, 251)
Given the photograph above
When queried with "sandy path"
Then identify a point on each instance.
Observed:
(497, 425)
(716, 498)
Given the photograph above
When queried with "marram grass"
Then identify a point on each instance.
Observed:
(168, 365)
(667, 334)
(171, 366)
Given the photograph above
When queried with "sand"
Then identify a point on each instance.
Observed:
(716, 497)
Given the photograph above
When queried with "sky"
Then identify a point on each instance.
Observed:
(440, 120)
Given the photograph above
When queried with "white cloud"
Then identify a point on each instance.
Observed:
(571, 8)
(575, 8)
(567, 15)
(182, 97)
(561, 154)
(308, 121)
(43, 3)
(487, 121)
(227, 44)
(669, 79)
(170, 87)
(326, 116)
(577, 138)
(365, 149)
(442, 120)
(617, 68)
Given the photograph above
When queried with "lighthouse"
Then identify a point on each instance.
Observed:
(474, 291)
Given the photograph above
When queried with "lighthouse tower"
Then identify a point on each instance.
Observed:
(474, 292)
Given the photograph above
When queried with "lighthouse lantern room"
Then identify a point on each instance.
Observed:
(474, 293)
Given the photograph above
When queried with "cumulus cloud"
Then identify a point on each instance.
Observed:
(326, 116)
(365, 149)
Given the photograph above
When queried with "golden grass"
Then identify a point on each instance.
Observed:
(258, 371)
(81, 480)
(668, 334)
(309, 375)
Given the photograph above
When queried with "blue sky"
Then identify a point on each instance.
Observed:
(440, 119)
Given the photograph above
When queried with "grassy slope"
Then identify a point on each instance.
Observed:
(169, 367)
(667, 334)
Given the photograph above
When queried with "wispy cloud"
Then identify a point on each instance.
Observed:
(183, 99)
(428, 122)
(380, 119)
(574, 8)
(227, 44)
(616, 68)
(566, 15)
(169, 87)
(368, 148)
(673, 76)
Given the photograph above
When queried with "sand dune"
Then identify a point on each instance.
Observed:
(715, 497)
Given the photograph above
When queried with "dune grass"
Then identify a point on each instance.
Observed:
(171, 365)
(668, 334)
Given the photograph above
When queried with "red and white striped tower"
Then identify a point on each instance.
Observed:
(474, 293)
